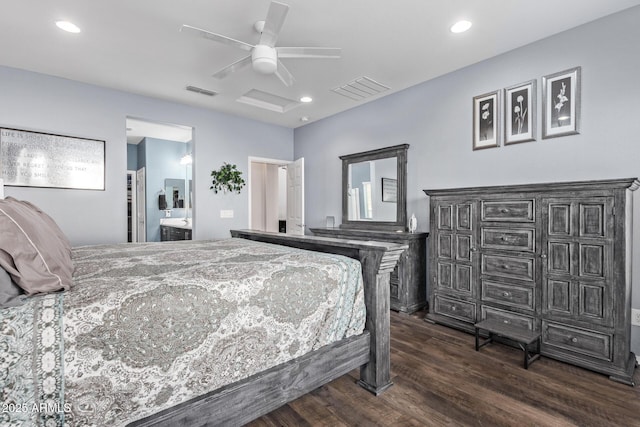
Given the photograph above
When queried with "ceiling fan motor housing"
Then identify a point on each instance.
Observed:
(264, 59)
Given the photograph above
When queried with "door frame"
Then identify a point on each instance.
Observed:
(253, 159)
(141, 199)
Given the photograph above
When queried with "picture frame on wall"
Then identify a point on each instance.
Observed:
(561, 103)
(520, 113)
(37, 159)
(486, 120)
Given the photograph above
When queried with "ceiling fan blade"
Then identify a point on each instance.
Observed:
(309, 52)
(284, 75)
(241, 63)
(216, 37)
(272, 25)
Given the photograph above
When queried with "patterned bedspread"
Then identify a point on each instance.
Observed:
(147, 326)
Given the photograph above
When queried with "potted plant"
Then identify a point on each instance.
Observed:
(227, 178)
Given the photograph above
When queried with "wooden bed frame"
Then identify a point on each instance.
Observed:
(241, 402)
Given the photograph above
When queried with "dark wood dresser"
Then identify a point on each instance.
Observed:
(553, 258)
(408, 280)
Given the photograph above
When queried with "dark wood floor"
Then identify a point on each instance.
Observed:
(439, 379)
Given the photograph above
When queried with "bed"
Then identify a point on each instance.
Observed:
(192, 333)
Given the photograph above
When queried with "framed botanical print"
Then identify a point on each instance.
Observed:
(561, 103)
(486, 118)
(520, 113)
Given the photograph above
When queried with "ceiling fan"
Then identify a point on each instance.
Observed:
(265, 56)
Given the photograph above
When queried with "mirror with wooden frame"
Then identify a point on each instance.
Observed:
(374, 189)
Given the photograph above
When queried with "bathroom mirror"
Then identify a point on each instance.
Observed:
(374, 189)
(174, 191)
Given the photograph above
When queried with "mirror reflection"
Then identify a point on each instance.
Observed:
(373, 190)
(175, 193)
(174, 190)
(374, 195)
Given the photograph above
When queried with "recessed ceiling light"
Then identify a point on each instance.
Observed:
(306, 99)
(67, 26)
(460, 26)
(304, 119)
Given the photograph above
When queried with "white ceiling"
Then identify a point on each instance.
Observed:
(136, 46)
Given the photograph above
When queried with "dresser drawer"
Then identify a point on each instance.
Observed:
(517, 239)
(461, 310)
(512, 295)
(508, 210)
(506, 266)
(576, 340)
(508, 317)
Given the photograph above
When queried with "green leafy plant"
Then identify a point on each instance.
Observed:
(227, 178)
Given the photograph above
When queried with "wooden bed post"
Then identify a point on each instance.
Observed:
(377, 266)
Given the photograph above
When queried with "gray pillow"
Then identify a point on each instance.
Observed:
(33, 250)
(10, 293)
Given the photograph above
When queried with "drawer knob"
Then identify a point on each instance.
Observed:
(574, 340)
(506, 321)
(505, 294)
(543, 256)
(506, 267)
(453, 308)
(504, 210)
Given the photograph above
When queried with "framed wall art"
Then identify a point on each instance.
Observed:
(35, 159)
(520, 113)
(486, 120)
(561, 103)
(389, 190)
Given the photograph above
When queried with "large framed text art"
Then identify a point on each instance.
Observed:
(35, 159)
(561, 103)
(486, 120)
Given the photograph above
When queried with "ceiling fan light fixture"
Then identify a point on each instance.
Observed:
(264, 59)
(460, 26)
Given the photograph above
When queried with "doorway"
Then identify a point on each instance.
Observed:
(276, 195)
(159, 154)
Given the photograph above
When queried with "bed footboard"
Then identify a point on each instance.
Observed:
(378, 260)
(241, 402)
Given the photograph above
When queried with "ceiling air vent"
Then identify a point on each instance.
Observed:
(361, 88)
(201, 91)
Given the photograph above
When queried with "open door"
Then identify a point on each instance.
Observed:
(132, 206)
(141, 208)
(295, 197)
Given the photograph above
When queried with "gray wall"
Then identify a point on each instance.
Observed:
(49, 104)
(435, 118)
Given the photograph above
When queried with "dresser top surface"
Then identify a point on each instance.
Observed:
(370, 234)
(623, 183)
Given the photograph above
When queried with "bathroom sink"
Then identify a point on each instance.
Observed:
(176, 222)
